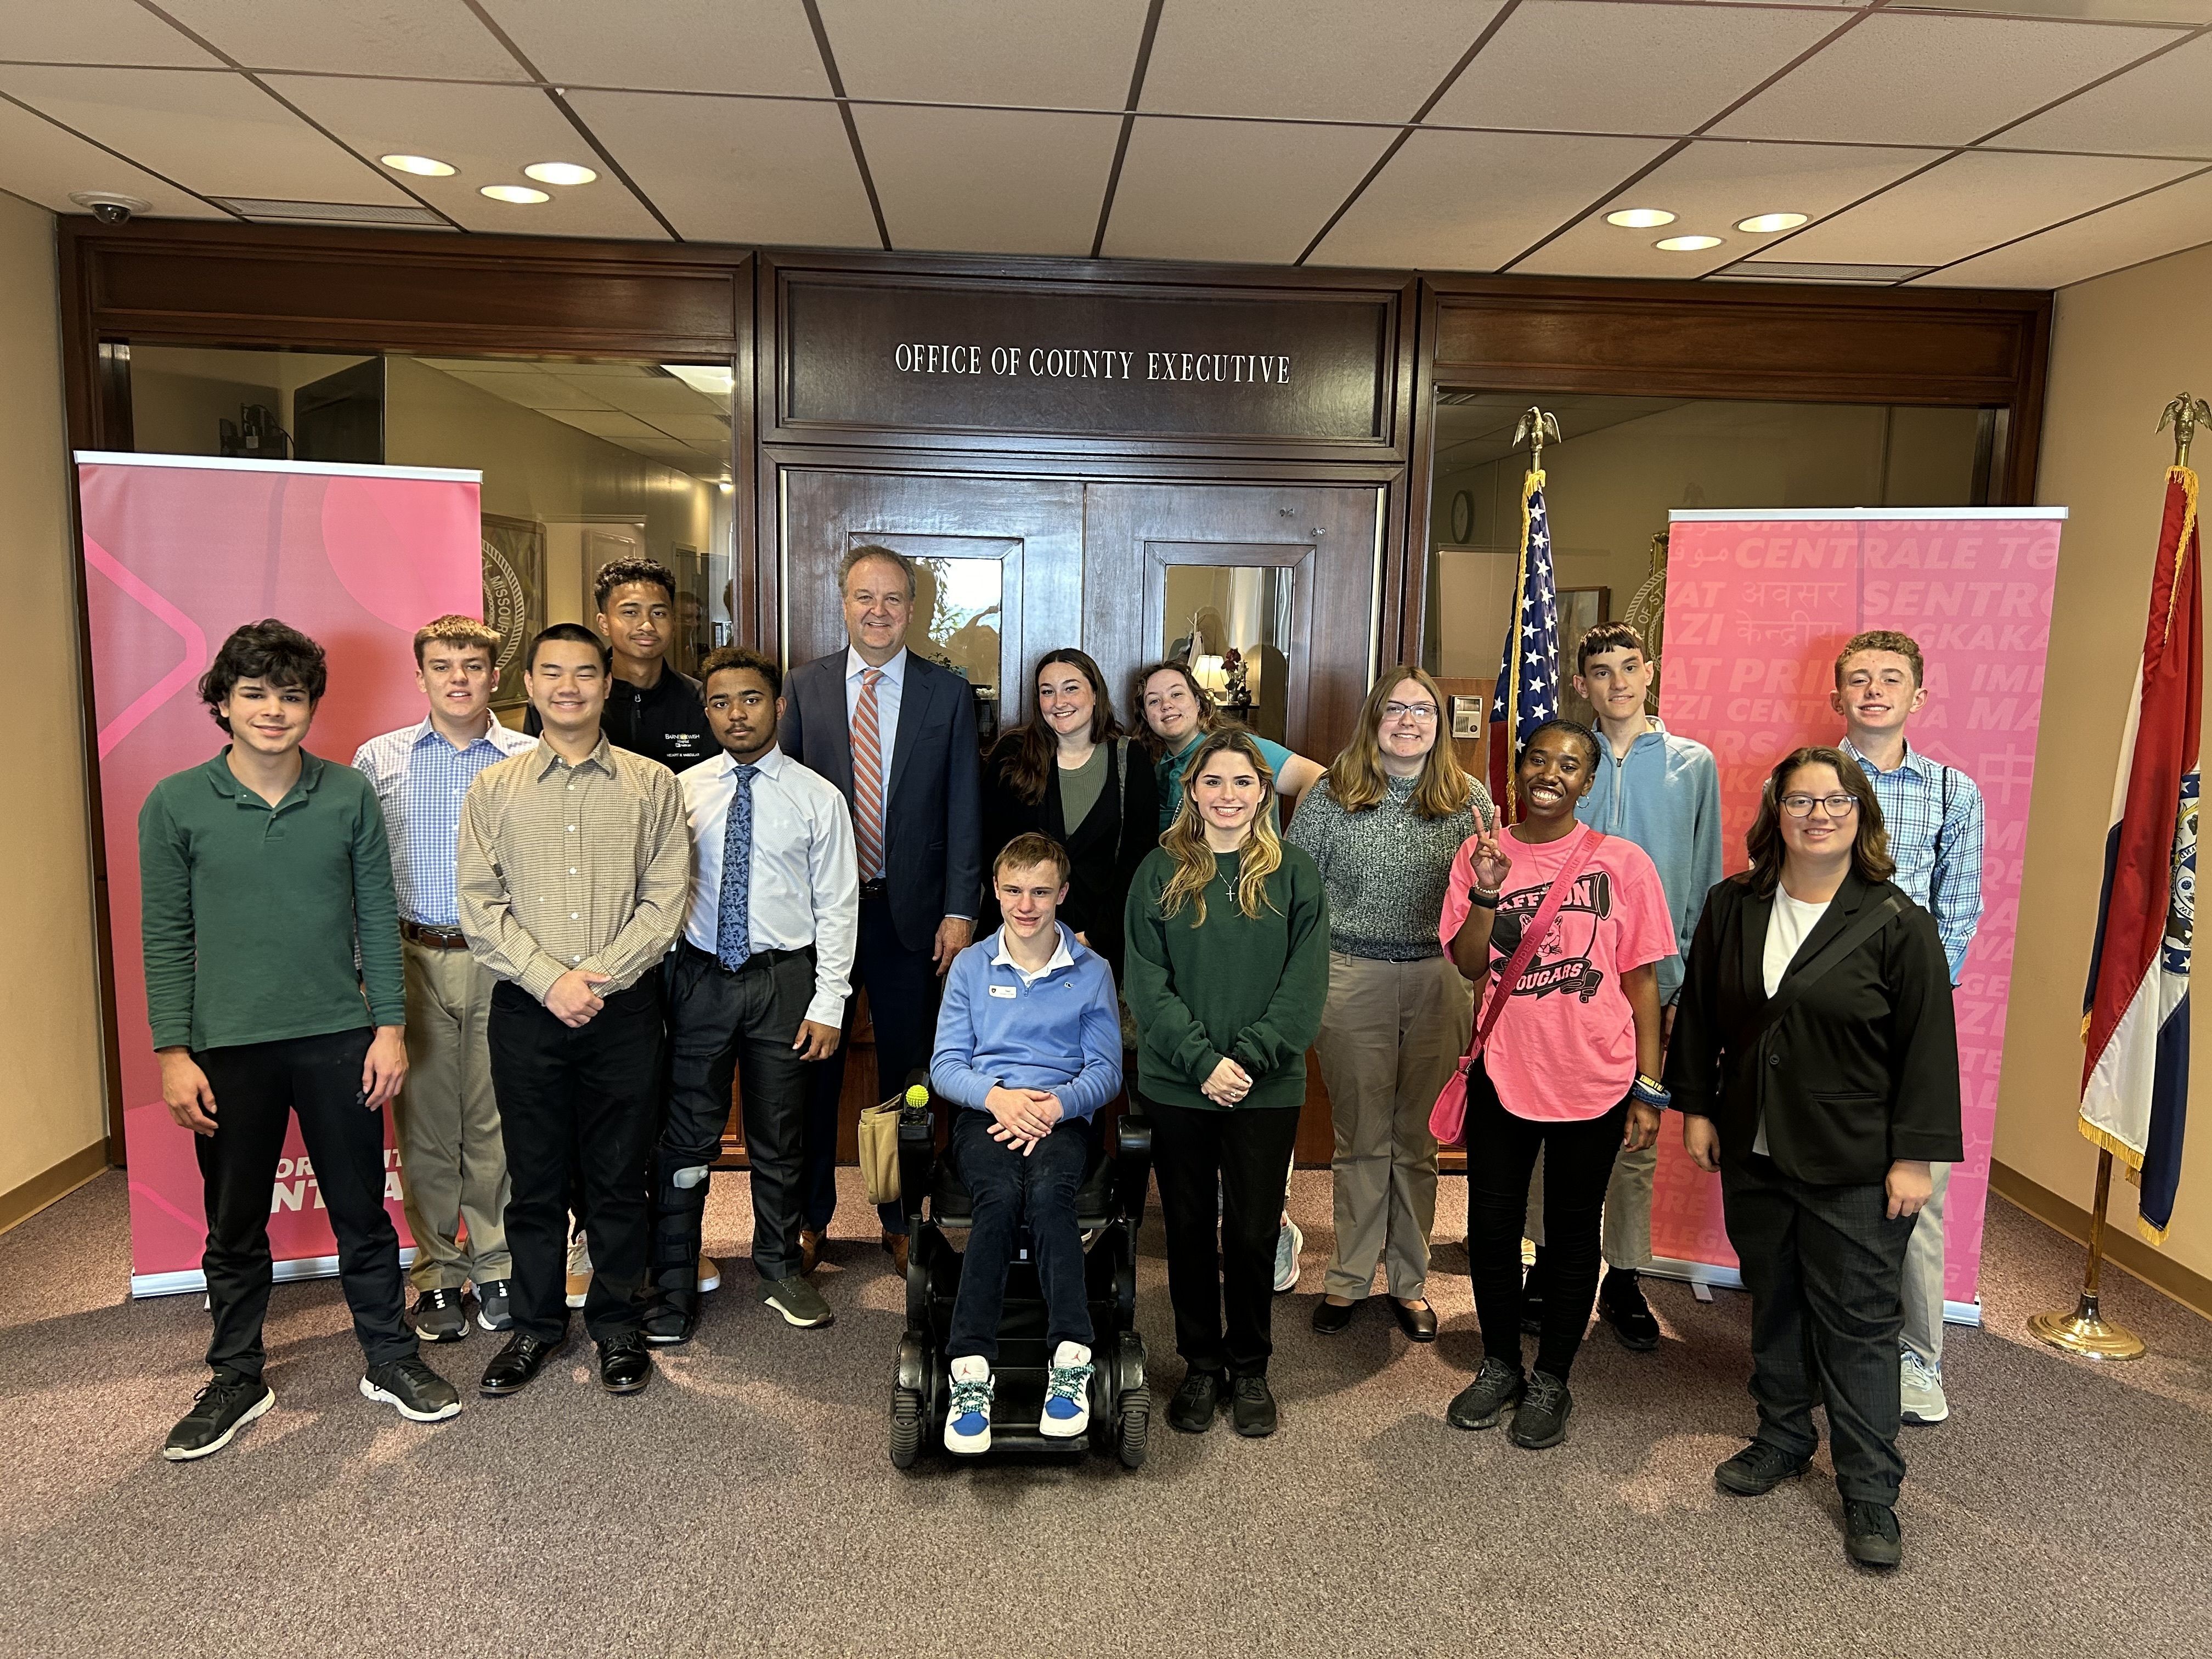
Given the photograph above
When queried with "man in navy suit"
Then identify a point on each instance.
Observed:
(896, 735)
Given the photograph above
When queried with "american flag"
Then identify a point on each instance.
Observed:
(1528, 668)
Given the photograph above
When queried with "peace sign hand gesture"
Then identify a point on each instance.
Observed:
(1491, 865)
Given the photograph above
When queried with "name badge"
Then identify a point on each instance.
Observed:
(1003, 991)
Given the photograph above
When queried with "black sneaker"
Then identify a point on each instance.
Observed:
(1194, 1404)
(1252, 1407)
(1870, 1534)
(1541, 1420)
(1620, 1304)
(1532, 1297)
(419, 1393)
(495, 1304)
(1497, 1388)
(1757, 1469)
(219, 1411)
(440, 1316)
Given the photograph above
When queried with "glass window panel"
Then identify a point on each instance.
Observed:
(960, 603)
(1231, 623)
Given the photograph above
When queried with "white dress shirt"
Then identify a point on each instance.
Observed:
(806, 875)
(889, 690)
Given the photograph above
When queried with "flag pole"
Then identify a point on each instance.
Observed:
(2085, 1331)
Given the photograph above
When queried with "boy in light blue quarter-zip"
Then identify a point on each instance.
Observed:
(1029, 1047)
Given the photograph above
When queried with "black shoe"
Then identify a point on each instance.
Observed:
(1620, 1304)
(1251, 1406)
(1496, 1388)
(1541, 1420)
(625, 1366)
(219, 1411)
(1194, 1404)
(495, 1304)
(1757, 1469)
(1420, 1324)
(1870, 1534)
(1330, 1320)
(514, 1366)
(440, 1316)
(1532, 1297)
(672, 1318)
(419, 1393)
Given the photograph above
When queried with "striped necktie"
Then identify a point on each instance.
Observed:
(868, 778)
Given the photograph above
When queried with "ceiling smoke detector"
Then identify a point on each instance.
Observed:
(108, 207)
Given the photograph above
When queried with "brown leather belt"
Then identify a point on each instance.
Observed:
(434, 939)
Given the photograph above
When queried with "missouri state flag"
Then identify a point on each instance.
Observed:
(2135, 1081)
(1529, 670)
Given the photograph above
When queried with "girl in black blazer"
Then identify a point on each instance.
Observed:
(1816, 1065)
(1072, 748)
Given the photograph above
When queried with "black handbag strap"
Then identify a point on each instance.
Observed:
(1795, 985)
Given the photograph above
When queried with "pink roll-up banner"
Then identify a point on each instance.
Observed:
(1758, 605)
(179, 550)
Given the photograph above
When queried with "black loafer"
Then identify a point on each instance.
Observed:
(514, 1366)
(1420, 1324)
(1192, 1410)
(1330, 1320)
(625, 1366)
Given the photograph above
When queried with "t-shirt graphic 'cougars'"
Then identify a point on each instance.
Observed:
(1564, 1049)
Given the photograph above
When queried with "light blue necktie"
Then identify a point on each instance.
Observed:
(733, 929)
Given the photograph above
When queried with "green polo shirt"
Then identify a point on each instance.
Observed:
(251, 913)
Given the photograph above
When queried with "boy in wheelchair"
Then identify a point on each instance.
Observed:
(1029, 1047)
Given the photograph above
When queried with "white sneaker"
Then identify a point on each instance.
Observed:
(1288, 1242)
(968, 1421)
(710, 1275)
(1067, 1393)
(1920, 1388)
(579, 1270)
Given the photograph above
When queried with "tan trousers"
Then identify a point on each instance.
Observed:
(1389, 1035)
(1627, 1237)
(451, 1159)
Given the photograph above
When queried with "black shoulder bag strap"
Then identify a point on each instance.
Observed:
(1795, 985)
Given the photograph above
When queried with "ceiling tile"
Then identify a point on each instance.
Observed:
(1471, 201)
(988, 182)
(1711, 186)
(2158, 108)
(41, 163)
(2165, 222)
(2114, 11)
(673, 46)
(395, 37)
(769, 170)
(1575, 66)
(648, 396)
(1307, 59)
(695, 429)
(488, 134)
(97, 32)
(1237, 190)
(1914, 78)
(1972, 201)
(988, 51)
(538, 391)
(219, 134)
(605, 422)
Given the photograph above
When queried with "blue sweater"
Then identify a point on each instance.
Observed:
(1666, 798)
(995, 1030)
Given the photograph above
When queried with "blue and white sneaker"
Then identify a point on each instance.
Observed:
(967, 1423)
(1067, 1393)
(1290, 1240)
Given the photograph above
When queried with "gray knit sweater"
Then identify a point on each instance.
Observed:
(1385, 869)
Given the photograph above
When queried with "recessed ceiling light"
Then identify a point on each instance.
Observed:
(513, 193)
(423, 165)
(558, 173)
(1685, 243)
(1640, 218)
(1766, 222)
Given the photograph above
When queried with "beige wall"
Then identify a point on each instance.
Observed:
(52, 1098)
(2122, 346)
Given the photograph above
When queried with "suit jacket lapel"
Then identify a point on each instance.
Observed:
(836, 760)
(914, 697)
(1752, 917)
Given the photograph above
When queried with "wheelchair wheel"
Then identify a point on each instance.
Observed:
(907, 1421)
(1135, 1429)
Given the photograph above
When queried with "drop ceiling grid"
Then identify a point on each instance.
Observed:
(405, 36)
(1233, 191)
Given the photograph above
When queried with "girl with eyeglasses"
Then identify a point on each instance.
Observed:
(1383, 825)
(1815, 1063)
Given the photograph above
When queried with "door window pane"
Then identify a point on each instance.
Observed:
(1231, 623)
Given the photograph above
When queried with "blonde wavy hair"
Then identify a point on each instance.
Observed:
(1356, 777)
(1185, 840)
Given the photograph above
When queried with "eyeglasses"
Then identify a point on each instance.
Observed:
(1840, 806)
(1422, 712)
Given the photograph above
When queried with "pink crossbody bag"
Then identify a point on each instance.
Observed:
(1447, 1118)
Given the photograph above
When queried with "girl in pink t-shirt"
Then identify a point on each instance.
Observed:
(1570, 1067)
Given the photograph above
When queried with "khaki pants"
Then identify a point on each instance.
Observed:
(451, 1159)
(1389, 1034)
(1923, 1275)
(1625, 1239)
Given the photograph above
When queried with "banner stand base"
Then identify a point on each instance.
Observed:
(1706, 1273)
(283, 1273)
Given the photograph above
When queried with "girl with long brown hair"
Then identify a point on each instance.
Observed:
(1177, 713)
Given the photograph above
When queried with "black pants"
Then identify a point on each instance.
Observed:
(722, 1025)
(903, 990)
(1825, 1267)
(257, 1086)
(1244, 1155)
(1009, 1190)
(1501, 1154)
(578, 1104)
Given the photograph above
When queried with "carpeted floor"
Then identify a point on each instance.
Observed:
(744, 1504)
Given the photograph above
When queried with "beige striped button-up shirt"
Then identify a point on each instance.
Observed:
(586, 866)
